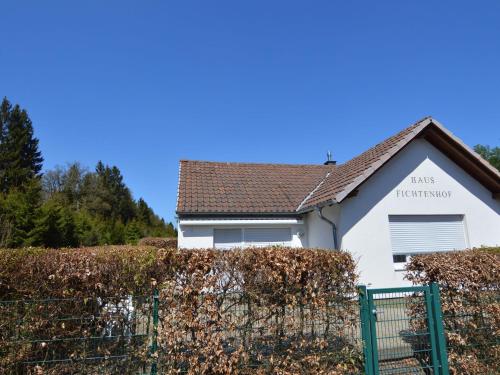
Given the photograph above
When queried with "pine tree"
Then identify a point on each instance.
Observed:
(46, 230)
(20, 212)
(133, 233)
(171, 231)
(5, 108)
(20, 158)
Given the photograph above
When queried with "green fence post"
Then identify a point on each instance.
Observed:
(372, 318)
(154, 344)
(365, 329)
(431, 328)
(438, 321)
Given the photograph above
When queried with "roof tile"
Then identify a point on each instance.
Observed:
(247, 188)
(218, 187)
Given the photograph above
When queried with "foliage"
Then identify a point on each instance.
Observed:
(19, 209)
(74, 306)
(492, 155)
(271, 310)
(103, 207)
(20, 159)
(469, 282)
(159, 242)
(67, 206)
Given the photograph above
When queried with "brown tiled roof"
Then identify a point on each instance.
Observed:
(208, 187)
(212, 187)
(361, 166)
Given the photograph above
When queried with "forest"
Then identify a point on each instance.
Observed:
(68, 206)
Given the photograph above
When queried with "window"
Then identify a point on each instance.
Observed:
(398, 258)
(245, 237)
(417, 234)
(227, 238)
(267, 236)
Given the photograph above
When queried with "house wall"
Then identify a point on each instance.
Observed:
(363, 221)
(319, 232)
(193, 237)
(363, 227)
(202, 236)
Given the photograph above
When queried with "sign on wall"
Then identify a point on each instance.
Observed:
(423, 187)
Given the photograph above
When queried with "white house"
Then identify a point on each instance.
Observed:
(421, 190)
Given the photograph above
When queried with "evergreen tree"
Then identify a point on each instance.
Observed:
(115, 233)
(67, 206)
(171, 231)
(133, 233)
(5, 108)
(144, 213)
(86, 229)
(20, 158)
(46, 230)
(19, 213)
(67, 228)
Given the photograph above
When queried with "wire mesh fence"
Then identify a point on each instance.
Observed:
(146, 335)
(75, 335)
(260, 337)
(160, 334)
(404, 338)
(472, 324)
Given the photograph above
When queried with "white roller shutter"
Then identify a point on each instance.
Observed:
(413, 234)
(227, 238)
(267, 236)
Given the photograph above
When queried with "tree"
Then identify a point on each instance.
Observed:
(20, 166)
(66, 206)
(171, 231)
(19, 213)
(133, 233)
(46, 231)
(492, 155)
(54, 227)
(5, 108)
(20, 158)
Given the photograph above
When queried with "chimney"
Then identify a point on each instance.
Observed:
(329, 160)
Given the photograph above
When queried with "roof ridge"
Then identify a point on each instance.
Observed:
(257, 164)
(382, 158)
(411, 131)
(313, 191)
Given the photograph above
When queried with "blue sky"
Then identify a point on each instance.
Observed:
(142, 84)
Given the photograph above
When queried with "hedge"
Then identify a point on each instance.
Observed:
(160, 242)
(271, 310)
(470, 298)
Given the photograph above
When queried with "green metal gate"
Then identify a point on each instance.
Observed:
(402, 331)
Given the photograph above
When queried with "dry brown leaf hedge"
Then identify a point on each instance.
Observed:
(160, 242)
(470, 298)
(272, 310)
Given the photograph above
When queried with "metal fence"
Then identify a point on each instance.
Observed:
(396, 331)
(402, 329)
(75, 335)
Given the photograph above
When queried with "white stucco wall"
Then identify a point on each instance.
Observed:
(363, 227)
(202, 236)
(193, 237)
(363, 221)
(319, 232)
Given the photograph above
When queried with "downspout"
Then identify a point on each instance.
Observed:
(334, 227)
